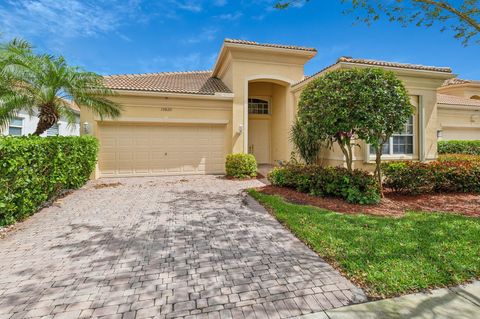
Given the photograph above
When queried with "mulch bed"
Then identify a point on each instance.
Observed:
(392, 205)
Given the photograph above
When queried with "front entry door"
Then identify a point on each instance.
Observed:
(259, 140)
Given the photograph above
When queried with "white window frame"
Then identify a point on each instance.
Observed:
(391, 155)
(58, 130)
(264, 98)
(16, 126)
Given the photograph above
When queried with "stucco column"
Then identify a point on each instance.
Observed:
(238, 138)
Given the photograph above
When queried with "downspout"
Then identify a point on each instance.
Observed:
(421, 129)
(245, 118)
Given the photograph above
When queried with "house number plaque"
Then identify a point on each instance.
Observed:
(166, 109)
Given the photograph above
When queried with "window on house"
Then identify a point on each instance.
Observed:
(258, 106)
(400, 143)
(15, 127)
(53, 131)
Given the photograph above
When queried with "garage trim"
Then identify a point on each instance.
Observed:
(164, 120)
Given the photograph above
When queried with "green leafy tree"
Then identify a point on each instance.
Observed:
(461, 17)
(383, 108)
(349, 104)
(43, 84)
(325, 113)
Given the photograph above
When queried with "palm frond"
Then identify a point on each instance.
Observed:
(66, 111)
(10, 106)
(40, 80)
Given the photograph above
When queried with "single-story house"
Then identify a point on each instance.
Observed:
(24, 124)
(186, 122)
(458, 103)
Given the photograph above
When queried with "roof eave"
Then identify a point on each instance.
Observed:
(404, 70)
(461, 85)
(215, 96)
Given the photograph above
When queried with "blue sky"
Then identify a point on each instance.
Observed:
(137, 36)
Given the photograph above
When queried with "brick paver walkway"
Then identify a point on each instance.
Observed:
(163, 248)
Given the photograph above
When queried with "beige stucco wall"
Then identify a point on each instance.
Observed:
(459, 123)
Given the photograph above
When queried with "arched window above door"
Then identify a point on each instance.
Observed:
(258, 106)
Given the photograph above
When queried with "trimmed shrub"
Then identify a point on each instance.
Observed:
(357, 186)
(241, 165)
(462, 176)
(459, 158)
(459, 147)
(35, 169)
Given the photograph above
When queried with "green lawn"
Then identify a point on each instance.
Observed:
(387, 256)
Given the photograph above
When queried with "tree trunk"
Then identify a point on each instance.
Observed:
(346, 148)
(47, 117)
(378, 168)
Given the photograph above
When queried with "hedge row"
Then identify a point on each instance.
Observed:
(459, 147)
(356, 187)
(35, 169)
(450, 174)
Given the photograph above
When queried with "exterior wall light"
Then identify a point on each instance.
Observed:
(240, 129)
(86, 127)
(439, 133)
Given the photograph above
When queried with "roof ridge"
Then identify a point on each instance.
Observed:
(394, 64)
(272, 45)
(459, 81)
(157, 73)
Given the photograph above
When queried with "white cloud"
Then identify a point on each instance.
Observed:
(206, 34)
(188, 5)
(220, 3)
(230, 16)
(66, 18)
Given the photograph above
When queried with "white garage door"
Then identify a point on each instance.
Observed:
(147, 150)
(470, 133)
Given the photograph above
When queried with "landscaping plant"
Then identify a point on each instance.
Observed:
(241, 165)
(350, 104)
(355, 187)
(33, 170)
(44, 85)
(459, 147)
(454, 175)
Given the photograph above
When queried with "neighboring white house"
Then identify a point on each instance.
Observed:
(24, 124)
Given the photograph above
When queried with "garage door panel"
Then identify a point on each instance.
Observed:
(142, 150)
(471, 133)
(141, 156)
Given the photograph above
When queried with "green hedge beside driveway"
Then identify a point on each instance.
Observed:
(35, 169)
(459, 147)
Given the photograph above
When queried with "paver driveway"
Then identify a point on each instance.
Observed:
(162, 247)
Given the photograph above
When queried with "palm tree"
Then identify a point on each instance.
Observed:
(45, 84)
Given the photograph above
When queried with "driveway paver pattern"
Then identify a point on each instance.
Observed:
(166, 247)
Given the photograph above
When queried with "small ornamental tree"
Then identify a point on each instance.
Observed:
(383, 109)
(326, 110)
(349, 104)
